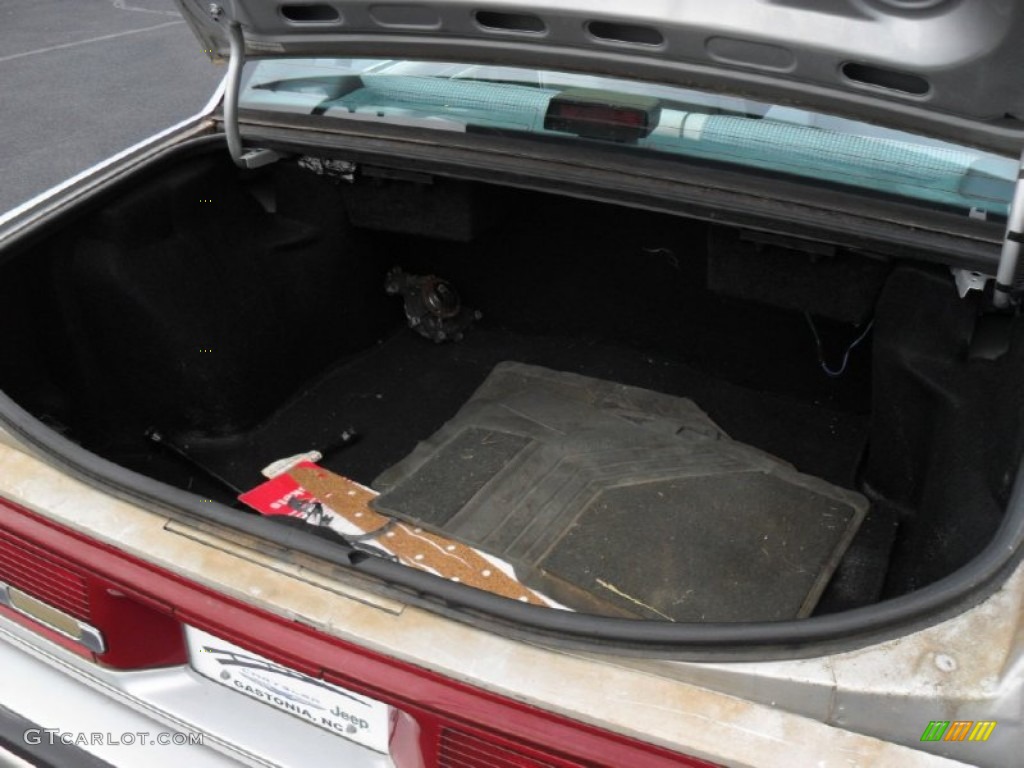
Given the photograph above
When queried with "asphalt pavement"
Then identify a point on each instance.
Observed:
(83, 79)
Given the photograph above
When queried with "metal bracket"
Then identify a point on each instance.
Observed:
(1007, 273)
(253, 158)
(968, 280)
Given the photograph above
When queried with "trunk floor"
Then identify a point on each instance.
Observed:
(404, 389)
(621, 501)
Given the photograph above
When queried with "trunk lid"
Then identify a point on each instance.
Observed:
(933, 67)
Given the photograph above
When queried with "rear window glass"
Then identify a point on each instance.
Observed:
(669, 120)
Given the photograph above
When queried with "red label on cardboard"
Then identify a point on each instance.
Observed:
(281, 495)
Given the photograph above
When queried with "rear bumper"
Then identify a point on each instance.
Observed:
(56, 709)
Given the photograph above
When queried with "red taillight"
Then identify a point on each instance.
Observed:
(27, 567)
(460, 750)
(425, 742)
(438, 722)
(82, 611)
(425, 738)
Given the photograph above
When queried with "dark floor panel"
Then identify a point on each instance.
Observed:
(403, 390)
(613, 497)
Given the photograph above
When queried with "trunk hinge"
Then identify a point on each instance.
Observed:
(1006, 275)
(244, 158)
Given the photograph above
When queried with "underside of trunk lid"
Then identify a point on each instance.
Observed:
(933, 67)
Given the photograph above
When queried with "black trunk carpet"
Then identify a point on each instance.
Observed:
(406, 388)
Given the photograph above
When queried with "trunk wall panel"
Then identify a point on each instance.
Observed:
(195, 307)
(943, 444)
(616, 275)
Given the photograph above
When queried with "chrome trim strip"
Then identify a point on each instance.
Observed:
(89, 637)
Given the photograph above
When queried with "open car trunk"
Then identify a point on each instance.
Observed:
(751, 426)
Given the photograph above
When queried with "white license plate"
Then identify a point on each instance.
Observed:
(331, 707)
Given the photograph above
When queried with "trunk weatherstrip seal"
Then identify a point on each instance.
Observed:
(784, 639)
